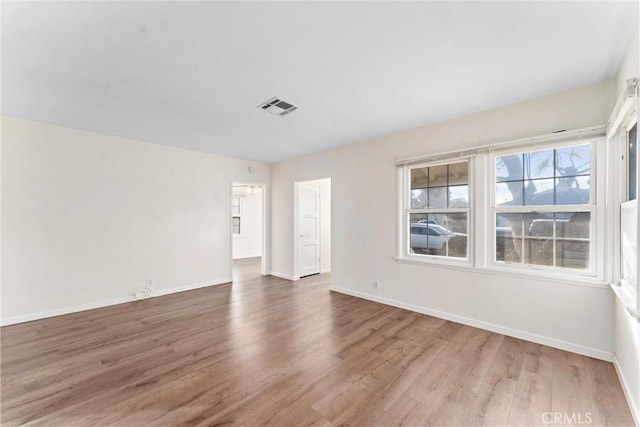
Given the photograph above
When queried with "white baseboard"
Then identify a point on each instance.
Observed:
(247, 256)
(65, 310)
(325, 270)
(633, 405)
(190, 287)
(284, 276)
(99, 304)
(539, 339)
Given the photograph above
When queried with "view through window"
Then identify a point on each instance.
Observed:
(439, 210)
(544, 207)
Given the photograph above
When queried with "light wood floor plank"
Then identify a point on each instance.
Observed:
(266, 351)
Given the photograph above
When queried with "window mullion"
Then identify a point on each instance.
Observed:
(437, 211)
(544, 208)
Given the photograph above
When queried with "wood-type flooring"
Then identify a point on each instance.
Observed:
(266, 351)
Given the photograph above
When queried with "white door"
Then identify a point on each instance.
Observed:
(308, 229)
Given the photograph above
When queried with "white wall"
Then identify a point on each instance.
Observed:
(364, 198)
(629, 66)
(627, 329)
(248, 243)
(87, 217)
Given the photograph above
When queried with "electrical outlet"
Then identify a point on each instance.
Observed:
(149, 282)
(375, 285)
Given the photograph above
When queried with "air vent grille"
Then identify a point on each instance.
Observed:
(278, 107)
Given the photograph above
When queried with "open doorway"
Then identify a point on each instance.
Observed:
(312, 227)
(247, 230)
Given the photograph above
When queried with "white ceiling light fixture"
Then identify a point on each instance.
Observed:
(278, 107)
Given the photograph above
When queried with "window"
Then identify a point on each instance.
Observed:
(632, 162)
(437, 214)
(629, 217)
(527, 207)
(236, 214)
(544, 208)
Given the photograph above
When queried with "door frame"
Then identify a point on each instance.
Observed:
(265, 258)
(296, 228)
(296, 225)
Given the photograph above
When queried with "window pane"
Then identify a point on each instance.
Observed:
(418, 233)
(538, 192)
(572, 254)
(573, 190)
(419, 199)
(457, 226)
(538, 251)
(438, 234)
(572, 161)
(236, 225)
(632, 162)
(573, 225)
(438, 219)
(509, 193)
(438, 197)
(437, 243)
(419, 178)
(508, 225)
(539, 224)
(459, 173)
(457, 223)
(508, 250)
(427, 236)
(509, 168)
(438, 176)
(538, 164)
(459, 196)
(508, 228)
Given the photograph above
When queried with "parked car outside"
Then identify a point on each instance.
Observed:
(431, 239)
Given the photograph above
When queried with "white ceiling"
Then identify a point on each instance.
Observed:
(190, 74)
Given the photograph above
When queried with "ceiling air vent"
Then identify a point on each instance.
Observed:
(278, 107)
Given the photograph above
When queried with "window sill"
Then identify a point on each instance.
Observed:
(462, 264)
(626, 299)
(546, 276)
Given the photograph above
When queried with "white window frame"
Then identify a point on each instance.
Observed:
(591, 208)
(618, 140)
(482, 213)
(404, 251)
